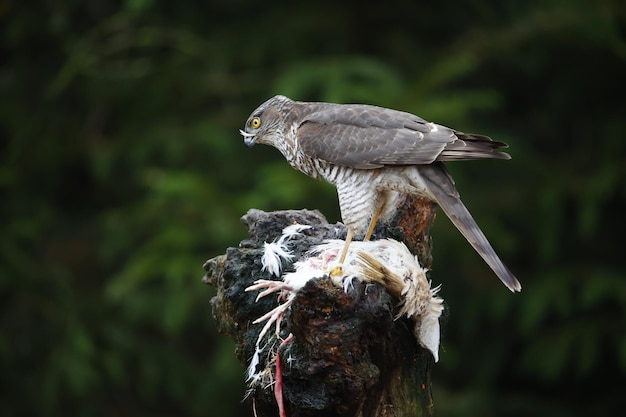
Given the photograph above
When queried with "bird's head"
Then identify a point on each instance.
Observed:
(265, 124)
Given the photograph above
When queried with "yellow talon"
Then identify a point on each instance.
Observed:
(336, 271)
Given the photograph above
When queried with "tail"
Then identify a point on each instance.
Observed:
(471, 146)
(441, 185)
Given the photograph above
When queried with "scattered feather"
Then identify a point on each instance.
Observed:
(275, 252)
(273, 255)
(293, 230)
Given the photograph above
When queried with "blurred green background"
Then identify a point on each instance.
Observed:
(122, 171)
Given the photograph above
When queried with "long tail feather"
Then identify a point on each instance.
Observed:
(442, 187)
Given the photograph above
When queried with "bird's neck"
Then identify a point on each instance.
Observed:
(294, 155)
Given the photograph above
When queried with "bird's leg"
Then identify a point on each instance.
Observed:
(344, 251)
(373, 222)
(278, 386)
(337, 271)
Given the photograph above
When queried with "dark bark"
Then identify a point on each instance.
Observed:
(348, 356)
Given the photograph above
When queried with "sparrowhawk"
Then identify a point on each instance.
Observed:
(373, 155)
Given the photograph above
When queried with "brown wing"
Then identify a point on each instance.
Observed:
(368, 137)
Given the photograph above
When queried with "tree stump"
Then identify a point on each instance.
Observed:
(348, 355)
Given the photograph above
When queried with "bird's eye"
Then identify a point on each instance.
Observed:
(255, 122)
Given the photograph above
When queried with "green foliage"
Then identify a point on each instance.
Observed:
(121, 171)
(340, 79)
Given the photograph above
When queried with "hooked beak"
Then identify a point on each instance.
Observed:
(248, 138)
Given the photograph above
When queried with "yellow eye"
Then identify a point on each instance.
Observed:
(255, 122)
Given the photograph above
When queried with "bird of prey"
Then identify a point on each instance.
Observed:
(373, 155)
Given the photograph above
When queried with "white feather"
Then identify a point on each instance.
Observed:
(273, 254)
(293, 230)
(252, 373)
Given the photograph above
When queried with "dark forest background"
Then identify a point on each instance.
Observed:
(122, 171)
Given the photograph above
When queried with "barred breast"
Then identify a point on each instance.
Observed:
(363, 193)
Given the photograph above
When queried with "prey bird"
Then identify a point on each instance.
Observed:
(373, 155)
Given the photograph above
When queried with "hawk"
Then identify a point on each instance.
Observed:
(373, 155)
